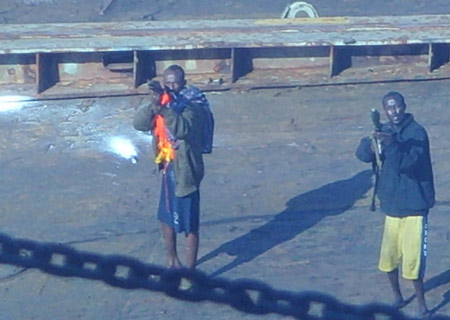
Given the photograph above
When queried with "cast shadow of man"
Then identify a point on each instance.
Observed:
(301, 213)
(437, 281)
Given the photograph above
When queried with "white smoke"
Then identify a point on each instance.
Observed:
(124, 148)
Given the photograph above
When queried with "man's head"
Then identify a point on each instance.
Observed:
(394, 105)
(173, 78)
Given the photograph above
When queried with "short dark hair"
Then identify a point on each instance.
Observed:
(176, 69)
(397, 96)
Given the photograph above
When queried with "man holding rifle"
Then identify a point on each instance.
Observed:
(176, 115)
(405, 189)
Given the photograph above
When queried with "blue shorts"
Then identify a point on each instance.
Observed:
(180, 213)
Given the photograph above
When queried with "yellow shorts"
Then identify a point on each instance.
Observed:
(404, 243)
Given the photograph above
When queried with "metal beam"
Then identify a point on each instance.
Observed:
(110, 58)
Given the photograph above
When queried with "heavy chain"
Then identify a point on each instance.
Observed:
(248, 296)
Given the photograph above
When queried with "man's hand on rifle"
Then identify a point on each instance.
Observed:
(155, 93)
(155, 86)
(384, 137)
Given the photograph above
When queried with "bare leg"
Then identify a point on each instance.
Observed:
(420, 293)
(192, 241)
(395, 285)
(170, 241)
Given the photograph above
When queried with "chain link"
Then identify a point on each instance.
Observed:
(246, 295)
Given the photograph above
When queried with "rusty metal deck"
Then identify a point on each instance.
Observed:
(92, 59)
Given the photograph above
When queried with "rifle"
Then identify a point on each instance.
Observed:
(375, 117)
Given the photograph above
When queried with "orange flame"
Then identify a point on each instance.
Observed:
(166, 153)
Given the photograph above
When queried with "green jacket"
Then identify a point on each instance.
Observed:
(187, 129)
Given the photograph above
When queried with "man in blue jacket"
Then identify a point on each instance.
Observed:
(406, 193)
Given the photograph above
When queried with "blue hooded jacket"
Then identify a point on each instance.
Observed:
(405, 185)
